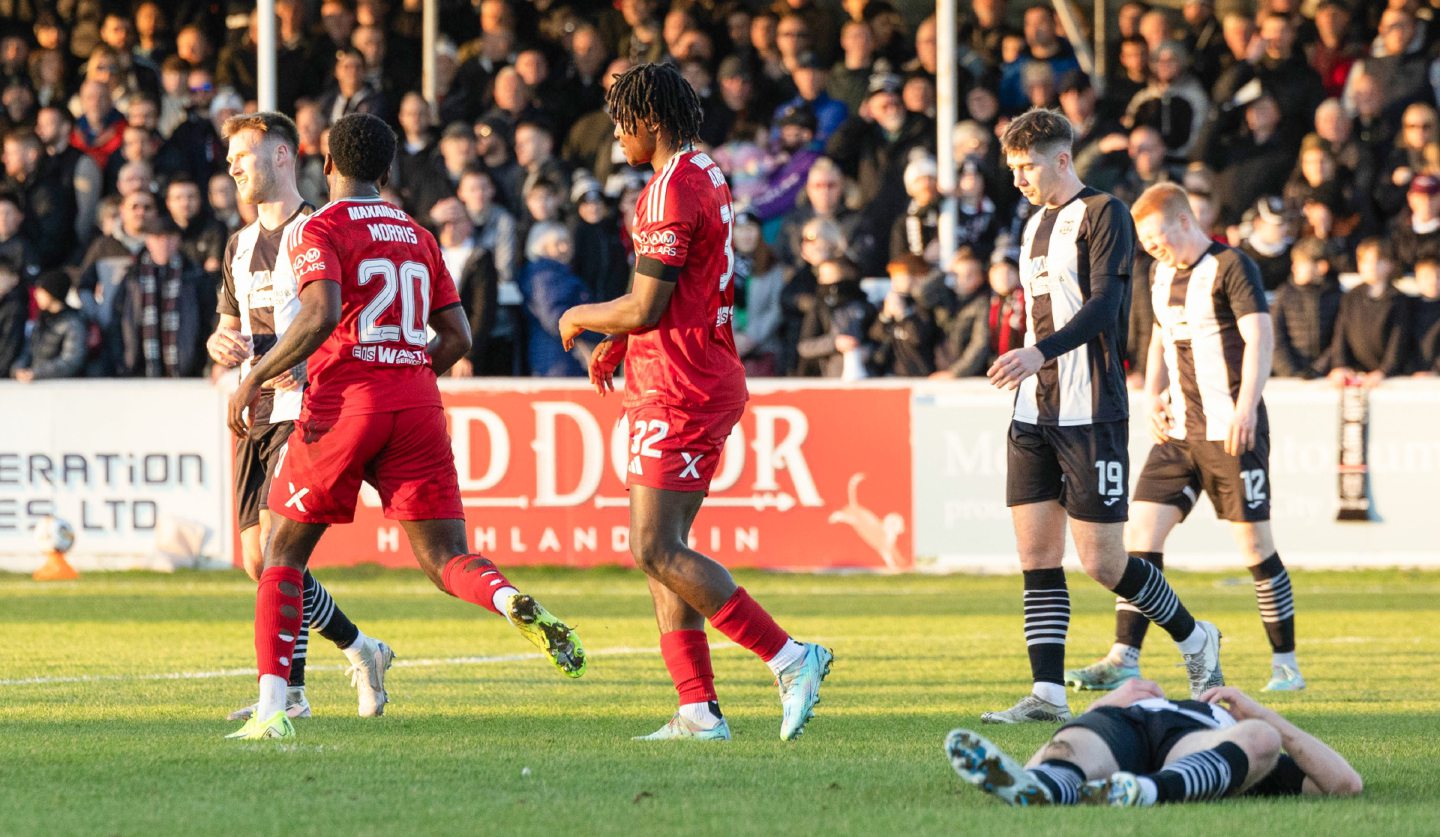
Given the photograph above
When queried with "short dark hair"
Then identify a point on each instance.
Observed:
(1039, 128)
(1380, 246)
(182, 179)
(362, 146)
(269, 123)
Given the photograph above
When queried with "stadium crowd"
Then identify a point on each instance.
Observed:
(1305, 132)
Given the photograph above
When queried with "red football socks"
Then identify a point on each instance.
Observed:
(687, 656)
(749, 626)
(279, 606)
(474, 578)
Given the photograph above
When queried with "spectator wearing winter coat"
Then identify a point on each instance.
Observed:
(1372, 328)
(833, 337)
(549, 287)
(1304, 312)
(57, 346)
(1425, 323)
(14, 312)
(160, 319)
(904, 335)
(759, 282)
(963, 348)
(472, 269)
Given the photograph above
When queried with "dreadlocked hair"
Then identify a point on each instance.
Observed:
(656, 94)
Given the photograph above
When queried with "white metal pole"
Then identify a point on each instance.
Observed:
(429, 39)
(265, 47)
(945, 117)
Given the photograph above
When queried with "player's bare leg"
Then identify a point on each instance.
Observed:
(1276, 600)
(659, 529)
(1145, 534)
(1202, 765)
(443, 550)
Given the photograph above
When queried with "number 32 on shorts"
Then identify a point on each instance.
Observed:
(644, 445)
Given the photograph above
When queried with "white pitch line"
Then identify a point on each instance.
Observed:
(400, 662)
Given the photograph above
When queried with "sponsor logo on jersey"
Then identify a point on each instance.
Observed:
(724, 315)
(390, 356)
(659, 238)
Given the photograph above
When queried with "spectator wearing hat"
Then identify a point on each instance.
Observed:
(14, 310)
(917, 231)
(1372, 327)
(1243, 146)
(810, 75)
(1425, 323)
(160, 322)
(1042, 43)
(599, 255)
(873, 149)
(850, 75)
(1267, 239)
(472, 267)
(58, 341)
(1416, 232)
(795, 129)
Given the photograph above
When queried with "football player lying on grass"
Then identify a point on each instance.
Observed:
(1134, 747)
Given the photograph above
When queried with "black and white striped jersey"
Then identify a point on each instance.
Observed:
(1075, 264)
(260, 289)
(1212, 715)
(1198, 310)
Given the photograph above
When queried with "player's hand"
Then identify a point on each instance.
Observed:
(606, 358)
(243, 397)
(569, 330)
(1014, 366)
(287, 381)
(228, 347)
(1161, 421)
(1132, 690)
(1236, 702)
(1241, 437)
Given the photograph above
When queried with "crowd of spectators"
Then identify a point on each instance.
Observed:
(1306, 133)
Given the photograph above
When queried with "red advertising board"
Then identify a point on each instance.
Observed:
(812, 478)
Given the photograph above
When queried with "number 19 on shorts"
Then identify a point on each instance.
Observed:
(1111, 475)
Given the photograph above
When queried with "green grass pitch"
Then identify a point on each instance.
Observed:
(94, 741)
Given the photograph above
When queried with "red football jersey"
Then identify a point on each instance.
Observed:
(688, 359)
(391, 277)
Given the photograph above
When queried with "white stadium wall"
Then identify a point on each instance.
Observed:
(883, 476)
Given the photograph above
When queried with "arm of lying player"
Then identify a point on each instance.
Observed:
(651, 287)
(1259, 335)
(318, 315)
(1327, 773)
(452, 337)
(1132, 690)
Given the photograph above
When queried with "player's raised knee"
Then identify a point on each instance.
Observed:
(1261, 743)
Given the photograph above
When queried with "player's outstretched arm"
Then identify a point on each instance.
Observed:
(452, 338)
(1327, 773)
(318, 315)
(650, 290)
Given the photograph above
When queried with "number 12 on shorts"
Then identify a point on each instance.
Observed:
(1111, 476)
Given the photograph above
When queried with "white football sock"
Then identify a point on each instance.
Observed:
(1052, 693)
(1287, 659)
(1193, 643)
(1148, 791)
(357, 649)
(500, 599)
(1124, 655)
(699, 714)
(272, 696)
(788, 656)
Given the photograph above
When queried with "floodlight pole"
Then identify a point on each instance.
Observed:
(429, 40)
(945, 117)
(265, 42)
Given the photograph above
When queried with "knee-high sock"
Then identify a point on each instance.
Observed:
(325, 616)
(687, 657)
(1130, 624)
(475, 578)
(1208, 774)
(748, 625)
(279, 608)
(1047, 621)
(1277, 603)
(1144, 585)
(1062, 778)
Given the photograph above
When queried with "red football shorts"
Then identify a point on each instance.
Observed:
(405, 454)
(676, 449)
